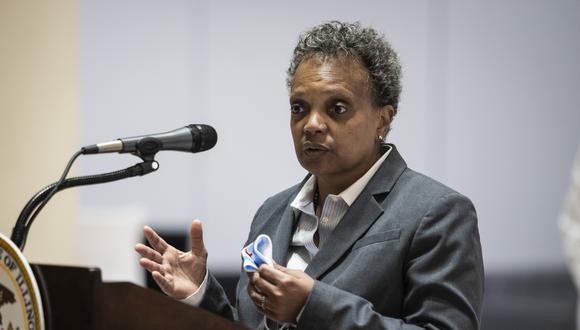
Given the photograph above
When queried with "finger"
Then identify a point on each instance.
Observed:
(253, 293)
(196, 236)
(151, 266)
(271, 274)
(251, 276)
(264, 287)
(288, 271)
(163, 282)
(148, 253)
(257, 298)
(156, 242)
(251, 280)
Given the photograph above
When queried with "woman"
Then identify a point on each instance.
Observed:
(363, 242)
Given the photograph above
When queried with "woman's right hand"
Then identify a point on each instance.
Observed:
(179, 274)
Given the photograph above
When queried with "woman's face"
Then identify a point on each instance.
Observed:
(334, 123)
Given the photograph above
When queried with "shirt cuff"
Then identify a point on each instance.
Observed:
(300, 314)
(196, 297)
(284, 326)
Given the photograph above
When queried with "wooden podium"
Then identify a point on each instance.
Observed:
(77, 298)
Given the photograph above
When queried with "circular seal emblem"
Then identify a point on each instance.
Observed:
(20, 304)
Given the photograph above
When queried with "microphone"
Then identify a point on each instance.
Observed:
(191, 138)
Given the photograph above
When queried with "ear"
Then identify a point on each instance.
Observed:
(386, 114)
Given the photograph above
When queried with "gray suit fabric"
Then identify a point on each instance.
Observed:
(406, 255)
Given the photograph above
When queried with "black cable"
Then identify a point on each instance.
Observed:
(56, 187)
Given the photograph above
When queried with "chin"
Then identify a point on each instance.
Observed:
(316, 168)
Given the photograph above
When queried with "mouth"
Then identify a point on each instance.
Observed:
(314, 149)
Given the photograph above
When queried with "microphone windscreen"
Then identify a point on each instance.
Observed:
(204, 137)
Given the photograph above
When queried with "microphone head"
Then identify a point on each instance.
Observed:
(204, 137)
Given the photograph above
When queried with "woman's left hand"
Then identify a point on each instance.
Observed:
(280, 293)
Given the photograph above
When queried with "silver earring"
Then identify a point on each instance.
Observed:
(380, 138)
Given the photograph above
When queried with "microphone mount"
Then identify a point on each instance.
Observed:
(147, 148)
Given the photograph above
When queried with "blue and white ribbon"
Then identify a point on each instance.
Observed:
(257, 253)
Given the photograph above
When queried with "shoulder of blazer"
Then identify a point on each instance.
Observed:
(421, 183)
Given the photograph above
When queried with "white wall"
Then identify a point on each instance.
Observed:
(513, 121)
(143, 69)
(488, 107)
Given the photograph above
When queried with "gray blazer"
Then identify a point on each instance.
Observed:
(406, 255)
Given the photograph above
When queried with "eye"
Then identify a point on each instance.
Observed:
(339, 109)
(296, 109)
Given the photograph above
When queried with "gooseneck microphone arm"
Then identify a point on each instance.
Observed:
(191, 138)
(37, 202)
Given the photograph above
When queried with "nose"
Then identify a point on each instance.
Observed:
(315, 124)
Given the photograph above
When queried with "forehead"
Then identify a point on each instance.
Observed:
(331, 74)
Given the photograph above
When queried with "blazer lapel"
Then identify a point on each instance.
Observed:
(283, 235)
(359, 217)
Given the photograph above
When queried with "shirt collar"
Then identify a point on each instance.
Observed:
(350, 194)
(303, 201)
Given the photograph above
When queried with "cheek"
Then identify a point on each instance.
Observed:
(369, 129)
(349, 144)
(359, 136)
(357, 143)
(295, 130)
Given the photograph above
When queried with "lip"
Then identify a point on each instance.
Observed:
(314, 149)
(309, 146)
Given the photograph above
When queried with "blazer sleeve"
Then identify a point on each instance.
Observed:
(215, 299)
(443, 280)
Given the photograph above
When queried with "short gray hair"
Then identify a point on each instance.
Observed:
(334, 38)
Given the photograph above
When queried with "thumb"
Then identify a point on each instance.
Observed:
(196, 236)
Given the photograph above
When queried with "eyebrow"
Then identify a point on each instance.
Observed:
(337, 92)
